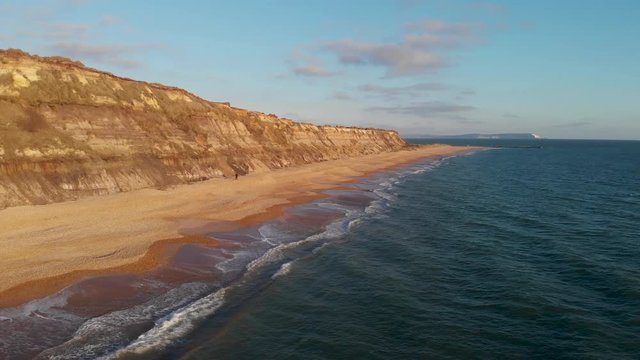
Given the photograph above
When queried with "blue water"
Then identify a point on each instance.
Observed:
(509, 253)
(514, 252)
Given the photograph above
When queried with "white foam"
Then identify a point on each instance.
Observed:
(334, 206)
(45, 304)
(230, 264)
(376, 207)
(176, 325)
(385, 195)
(319, 248)
(332, 231)
(276, 253)
(101, 334)
(180, 322)
(353, 223)
(284, 270)
(184, 320)
(269, 234)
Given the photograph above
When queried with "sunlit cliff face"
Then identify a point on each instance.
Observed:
(68, 131)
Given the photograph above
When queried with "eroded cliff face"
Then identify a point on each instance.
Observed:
(68, 131)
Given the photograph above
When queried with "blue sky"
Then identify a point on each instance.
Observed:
(561, 69)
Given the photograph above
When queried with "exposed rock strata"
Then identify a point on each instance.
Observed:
(68, 131)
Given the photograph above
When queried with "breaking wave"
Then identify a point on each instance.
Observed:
(268, 253)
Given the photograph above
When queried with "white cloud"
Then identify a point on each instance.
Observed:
(398, 59)
(312, 70)
(424, 109)
(422, 50)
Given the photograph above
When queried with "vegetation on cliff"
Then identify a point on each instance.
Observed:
(68, 131)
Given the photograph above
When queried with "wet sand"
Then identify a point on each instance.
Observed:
(46, 248)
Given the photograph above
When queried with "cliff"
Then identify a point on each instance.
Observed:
(68, 131)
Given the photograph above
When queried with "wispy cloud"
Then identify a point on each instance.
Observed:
(423, 109)
(430, 41)
(64, 31)
(574, 124)
(341, 96)
(302, 63)
(395, 92)
(489, 7)
(422, 50)
(45, 27)
(441, 34)
(110, 20)
(312, 70)
(75, 2)
(398, 59)
(463, 120)
(510, 115)
(114, 54)
(411, 4)
(446, 28)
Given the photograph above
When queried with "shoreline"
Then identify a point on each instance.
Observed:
(152, 225)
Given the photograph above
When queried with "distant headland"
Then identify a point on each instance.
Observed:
(505, 136)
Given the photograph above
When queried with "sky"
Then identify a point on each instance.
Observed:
(560, 69)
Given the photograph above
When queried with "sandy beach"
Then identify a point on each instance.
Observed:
(47, 247)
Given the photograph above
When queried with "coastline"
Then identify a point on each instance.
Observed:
(49, 247)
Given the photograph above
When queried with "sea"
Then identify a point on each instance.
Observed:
(527, 249)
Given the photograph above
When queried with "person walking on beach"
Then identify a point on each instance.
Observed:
(236, 176)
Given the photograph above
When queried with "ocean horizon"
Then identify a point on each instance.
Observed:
(319, 180)
(511, 252)
(504, 253)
